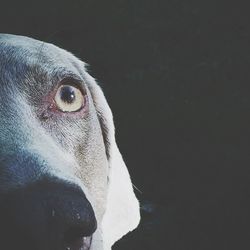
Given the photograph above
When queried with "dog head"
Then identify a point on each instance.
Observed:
(63, 182)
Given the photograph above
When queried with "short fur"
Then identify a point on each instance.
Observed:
(79, 149)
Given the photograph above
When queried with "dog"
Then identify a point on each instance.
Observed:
(63, 182)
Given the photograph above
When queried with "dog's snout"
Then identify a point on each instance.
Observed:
(48, 215)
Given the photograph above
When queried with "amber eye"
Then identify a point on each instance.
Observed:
(69, 98)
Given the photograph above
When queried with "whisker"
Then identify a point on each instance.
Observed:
(137, 188)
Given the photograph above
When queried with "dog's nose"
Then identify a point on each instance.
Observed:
(47, 215)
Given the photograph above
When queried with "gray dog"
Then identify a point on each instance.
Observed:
(63, 183)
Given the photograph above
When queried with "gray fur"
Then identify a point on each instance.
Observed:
(36, 144)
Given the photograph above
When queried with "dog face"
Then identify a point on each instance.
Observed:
(63, 183)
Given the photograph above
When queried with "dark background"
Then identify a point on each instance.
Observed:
(176, 74)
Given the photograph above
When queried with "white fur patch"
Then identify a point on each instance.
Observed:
(123, 212)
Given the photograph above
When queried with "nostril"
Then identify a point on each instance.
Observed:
(79, 244)
(79, 237)
(75, 239)
(73, 234)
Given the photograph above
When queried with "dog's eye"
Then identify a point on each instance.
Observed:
(69, 98)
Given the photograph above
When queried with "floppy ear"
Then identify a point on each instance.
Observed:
(122, 212)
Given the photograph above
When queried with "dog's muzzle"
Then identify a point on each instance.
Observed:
(46, 215)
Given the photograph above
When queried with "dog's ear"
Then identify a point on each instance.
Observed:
(122, 212)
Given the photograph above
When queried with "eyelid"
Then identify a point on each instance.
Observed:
(75, 82)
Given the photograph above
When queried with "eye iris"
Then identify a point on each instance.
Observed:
(67, 94)
(69, 98)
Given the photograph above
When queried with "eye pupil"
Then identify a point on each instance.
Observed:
(67, 94)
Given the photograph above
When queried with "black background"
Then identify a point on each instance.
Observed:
(176, 75)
